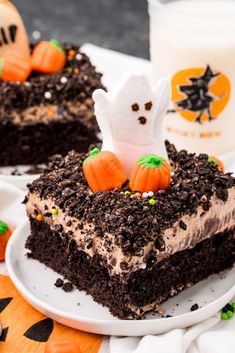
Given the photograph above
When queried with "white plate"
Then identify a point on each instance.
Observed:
(18, 180)
(36, 284)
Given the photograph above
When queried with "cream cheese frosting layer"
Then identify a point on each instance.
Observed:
(200, 226)
(46, 113)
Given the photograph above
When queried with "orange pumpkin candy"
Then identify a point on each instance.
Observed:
(217, 162)
(103, 171)
(13, 68)
(151, 173)
(61, 346)
(48, 57)
(5, 233)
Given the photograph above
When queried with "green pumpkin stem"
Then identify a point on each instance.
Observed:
(92, 154)
(57, 44)
(151, 161)
(3, 227)
(211, 160)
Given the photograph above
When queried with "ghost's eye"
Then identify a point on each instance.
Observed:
(148, 105)
(135, 107)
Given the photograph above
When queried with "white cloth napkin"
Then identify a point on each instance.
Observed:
(210, 336)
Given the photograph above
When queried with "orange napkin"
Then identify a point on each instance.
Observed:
(25, 330)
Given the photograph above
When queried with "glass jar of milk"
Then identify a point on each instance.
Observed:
(193, 43)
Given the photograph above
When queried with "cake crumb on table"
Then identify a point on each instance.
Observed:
(194, 307)
(59, 282)
(67, 287)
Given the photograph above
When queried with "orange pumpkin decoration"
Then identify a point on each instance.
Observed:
(151, 173)
(103, 171)
(5, 233)
(13, 68)
(217, 162)
(48, 57)
(62, 347)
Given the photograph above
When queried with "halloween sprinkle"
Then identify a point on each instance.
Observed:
(54, 211)
(137, 195)
(60, 111)
(152, 202)
(72, 52)
(63, 79)
(228, 311)
(47, 95)
(51, 112)
(39, 217)
(145, 195)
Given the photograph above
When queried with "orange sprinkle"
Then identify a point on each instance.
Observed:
(70, 57)
(137, 195)
(72, 52)
(51, 112)
(76, 71)
(39, 217)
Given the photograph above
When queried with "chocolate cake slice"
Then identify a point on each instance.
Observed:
(128, 253)
(49, 114)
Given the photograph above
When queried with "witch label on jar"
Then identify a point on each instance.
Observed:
(199, 95)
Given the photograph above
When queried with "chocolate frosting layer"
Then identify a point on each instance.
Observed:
(201, 226)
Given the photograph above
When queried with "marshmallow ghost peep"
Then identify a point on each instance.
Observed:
(131, 119)
(13, 37)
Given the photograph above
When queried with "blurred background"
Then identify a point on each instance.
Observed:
(115, 24)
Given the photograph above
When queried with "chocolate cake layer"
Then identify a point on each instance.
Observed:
(49, 114)
(130, 295)
(33, 145)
